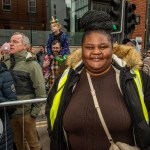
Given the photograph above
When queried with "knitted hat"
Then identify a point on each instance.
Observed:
(5, 47)
(125, 41)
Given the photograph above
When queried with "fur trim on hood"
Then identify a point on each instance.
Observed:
(122, 54)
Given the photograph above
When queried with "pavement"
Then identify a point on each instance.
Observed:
(41, 125)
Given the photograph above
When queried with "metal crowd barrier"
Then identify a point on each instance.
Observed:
(21, 102)
(41, 120)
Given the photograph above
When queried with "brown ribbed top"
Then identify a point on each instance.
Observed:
(81, 121)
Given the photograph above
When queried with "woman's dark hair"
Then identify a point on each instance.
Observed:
(96, 21)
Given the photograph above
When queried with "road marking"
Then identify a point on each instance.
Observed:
(41, 122)
(45, 125)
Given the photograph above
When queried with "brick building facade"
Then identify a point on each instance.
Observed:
(140, 30)
(19, 17)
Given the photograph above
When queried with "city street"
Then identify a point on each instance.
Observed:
(41, 125)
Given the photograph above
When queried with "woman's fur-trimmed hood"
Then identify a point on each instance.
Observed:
(122, 54)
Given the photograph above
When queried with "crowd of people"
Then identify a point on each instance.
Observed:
(100, 89)
(27, 74)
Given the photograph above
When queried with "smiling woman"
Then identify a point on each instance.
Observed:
(96, 42)
(114, 72)
(96, 53)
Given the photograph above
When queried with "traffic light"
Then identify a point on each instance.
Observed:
(67, 25)
(116, 14)
(130, 17)
(77, 25)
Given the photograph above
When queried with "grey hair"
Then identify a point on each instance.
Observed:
(25, 39)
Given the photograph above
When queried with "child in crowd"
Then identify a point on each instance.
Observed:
(57, 34)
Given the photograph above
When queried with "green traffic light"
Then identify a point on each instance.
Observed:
(114, 27)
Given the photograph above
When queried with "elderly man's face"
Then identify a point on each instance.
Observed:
(16, 44)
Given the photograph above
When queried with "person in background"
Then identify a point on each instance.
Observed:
(33, 50)
(46, 70)
(148, 53)
(146, 62)
(7, 93)
(114, 70)
(53, 66)
(57, 62)
(29, 84)
(46, 65)
(131, 42)
(40, 55)
(5, 57)
(57, 34)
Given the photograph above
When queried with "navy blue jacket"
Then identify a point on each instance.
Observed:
(7, 93)
(63, 38)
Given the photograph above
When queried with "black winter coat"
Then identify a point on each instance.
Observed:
(7, 93)
(130, 93)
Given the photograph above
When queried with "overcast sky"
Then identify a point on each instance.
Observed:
(68, 2)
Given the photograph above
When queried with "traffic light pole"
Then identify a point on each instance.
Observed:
(130, 18)
(72, 17)
(122, 18)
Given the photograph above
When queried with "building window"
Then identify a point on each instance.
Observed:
(32, 6)
(101, 6)
(54, 6)
(148, 26)
(7, 27)
(6, 5)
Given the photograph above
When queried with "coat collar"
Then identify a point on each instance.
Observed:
(123, 55)
(23, 56)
